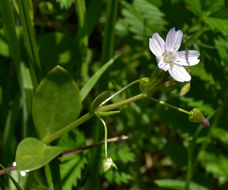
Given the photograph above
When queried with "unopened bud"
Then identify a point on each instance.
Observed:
(197, 117)
(108, 164)
(185, 89)
(205, 122)
(144, 84)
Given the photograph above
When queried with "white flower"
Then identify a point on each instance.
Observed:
(171, 60)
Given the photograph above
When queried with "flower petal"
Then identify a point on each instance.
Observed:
(157, 44)
(179, 73)
(163, 66)
(173, 40)
(187, 58)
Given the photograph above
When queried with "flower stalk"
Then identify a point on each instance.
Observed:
(169, 105)
(105, 136)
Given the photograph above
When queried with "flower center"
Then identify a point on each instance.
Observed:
(169, 58)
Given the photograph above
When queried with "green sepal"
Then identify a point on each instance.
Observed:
(196, 116)
(185, 89)
(107, 164)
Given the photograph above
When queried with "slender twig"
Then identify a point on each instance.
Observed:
(77, 150)
(9, 169)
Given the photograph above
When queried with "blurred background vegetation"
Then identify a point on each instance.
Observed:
(81, 36)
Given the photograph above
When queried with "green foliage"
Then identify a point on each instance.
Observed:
(32, 154)
(92, 81)
(71, 170)
(56, 102)
(205, 108)
(45, 46)
(56, 49)
(137, 19)
(11, 178)
(121, 155)
(177, 184)
(4, 50)
(216, 164)
(65, 4)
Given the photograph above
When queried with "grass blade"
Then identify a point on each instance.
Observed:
(13, 180)
(93, 80)
(30, 42)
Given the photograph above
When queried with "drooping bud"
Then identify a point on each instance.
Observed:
(205, 122)
(185, 89)
(108, 164)
(197, 117)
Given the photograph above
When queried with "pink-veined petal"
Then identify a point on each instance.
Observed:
(157, 44)
(187, 58)
(163, 66)
(173, 40)
(179, 73)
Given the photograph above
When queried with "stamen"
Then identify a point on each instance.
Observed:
(169, 58)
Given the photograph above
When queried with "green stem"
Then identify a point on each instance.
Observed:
(189, 170)
(80, 5)
(169, 105)
(88, 116)
(122, 103)
(10, 177)
(108, 40)
(118, 92)
(69, 127)
(10, 32)
(196, 35)
(191, 151)
(105, 137)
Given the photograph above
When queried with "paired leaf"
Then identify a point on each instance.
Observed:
(56, 102)
(33, 154)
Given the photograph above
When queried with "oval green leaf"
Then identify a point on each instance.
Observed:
(56, 102)
(33, 154)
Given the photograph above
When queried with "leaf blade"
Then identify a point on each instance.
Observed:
(56, 102)
(33, 154)
(92, 81)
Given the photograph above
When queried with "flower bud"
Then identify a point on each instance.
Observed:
(144, 84)
(108, 164)
(197, 117)
(185, 89)
(205, 122)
